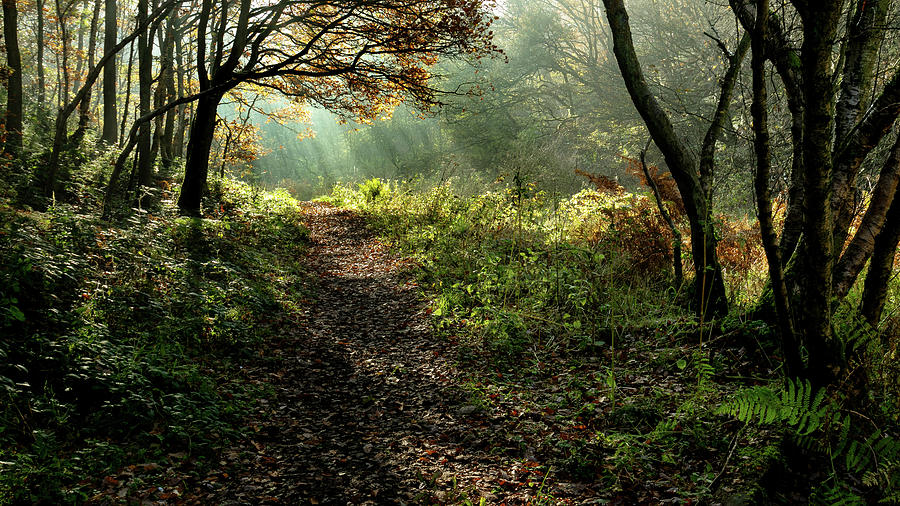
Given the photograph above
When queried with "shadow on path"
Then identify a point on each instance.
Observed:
(364, 410)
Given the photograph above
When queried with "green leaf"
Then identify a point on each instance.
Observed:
(681, 363)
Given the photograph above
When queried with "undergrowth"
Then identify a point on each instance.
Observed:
(572, 299)
(123, 340)
(523, 270)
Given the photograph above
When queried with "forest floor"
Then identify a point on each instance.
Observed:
(367, 409)
(368, 404)
(364, 407)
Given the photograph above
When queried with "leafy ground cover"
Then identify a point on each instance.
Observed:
(373, 406)
(414, 347)
(567, 325)
(123, 342)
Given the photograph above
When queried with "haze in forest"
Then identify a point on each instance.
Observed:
(450, 251)
(552, 103)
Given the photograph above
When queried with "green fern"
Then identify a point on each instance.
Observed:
(796, 406)
(853, 333)
(843, 433)
(757, 404)
(885, 476)
(812, 422)
(705, 369)
(834, 495)
(804, 411)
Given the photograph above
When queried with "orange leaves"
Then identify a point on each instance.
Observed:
(639, 231)
(361, 59)
(238, 142)
(602, 183)
(668, 190)
(740, 251)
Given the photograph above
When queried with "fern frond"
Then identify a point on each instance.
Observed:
(796, 406)
(834, 496)
(843, 435)
(757, 404)
(813, 421)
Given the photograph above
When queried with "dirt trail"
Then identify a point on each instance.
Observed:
(365, 410)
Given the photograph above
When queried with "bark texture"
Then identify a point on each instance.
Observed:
(786, 60)
(865, 33)
(759, 112)
(110, 34)
(881, 266)
(817, 265)
(13, 145)
(219, 77)
(145, 79)
(863, 244)
(198, 149)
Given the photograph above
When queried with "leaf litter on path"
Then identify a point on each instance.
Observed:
(369, 408)
(365, 410)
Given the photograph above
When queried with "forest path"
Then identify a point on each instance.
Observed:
(365, 408)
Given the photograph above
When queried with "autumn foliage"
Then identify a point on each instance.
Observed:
(667, 187)
(602, 183)
(633, 226)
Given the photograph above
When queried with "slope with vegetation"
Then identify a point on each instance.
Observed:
(568, 324)
(123, 341)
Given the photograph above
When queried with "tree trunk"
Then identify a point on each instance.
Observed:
(84, 107)
(865, 34)
(145, 78)
(881, 266)
(759, 112)
(126, 110)
(817, 265)
(196, 167)
(110, 35)
(780, 50)
(13, 144)
(159, 99)
(130, 141)
(709, 284)
(57, 85)
(215, 84)
(167, 85)
(863, 244)
(79, 49)
(39, 40)
(181, 112)
(167, 142)
(61, 15)
(225, 148)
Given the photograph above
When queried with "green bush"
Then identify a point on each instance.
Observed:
(373, 190)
